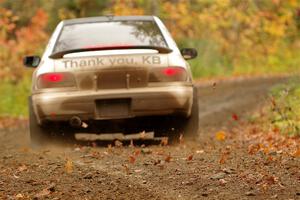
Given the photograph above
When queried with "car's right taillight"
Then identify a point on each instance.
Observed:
(56, 80)
(168, 74)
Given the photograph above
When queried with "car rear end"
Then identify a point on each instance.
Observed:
(111, 78)
(111, 74)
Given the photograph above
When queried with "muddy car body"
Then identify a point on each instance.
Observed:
(102, 71)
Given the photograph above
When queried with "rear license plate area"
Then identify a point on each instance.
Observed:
(113, 108)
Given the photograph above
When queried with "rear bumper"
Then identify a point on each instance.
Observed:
(95, 105)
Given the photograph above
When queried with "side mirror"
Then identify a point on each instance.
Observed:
(189, 53)
(31, 61)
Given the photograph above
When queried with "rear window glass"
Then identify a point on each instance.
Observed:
(109, 34)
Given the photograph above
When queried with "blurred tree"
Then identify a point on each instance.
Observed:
(16, 42)
(247, 32)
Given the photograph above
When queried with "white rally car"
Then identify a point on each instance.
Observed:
(112, 74)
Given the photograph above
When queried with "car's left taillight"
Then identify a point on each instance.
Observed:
(56, 80)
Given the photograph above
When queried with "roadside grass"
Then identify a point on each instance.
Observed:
(211, 62)
(285, 109)
(13, 98)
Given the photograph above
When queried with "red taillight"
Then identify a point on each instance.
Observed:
(171, 71)
(56, 80)
(53, 77)
(168, 74)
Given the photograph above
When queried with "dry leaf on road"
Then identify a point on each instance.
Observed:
(224, 157)
(190, 157)
(164, 141)
(131, 159)
(220, 135)
(69, 166)
(168, 158)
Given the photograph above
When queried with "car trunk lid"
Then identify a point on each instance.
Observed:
(113, 69)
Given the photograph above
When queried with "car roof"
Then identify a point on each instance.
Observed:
(107, 19)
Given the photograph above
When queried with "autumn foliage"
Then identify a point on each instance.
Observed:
(232, 37)
(19, 41)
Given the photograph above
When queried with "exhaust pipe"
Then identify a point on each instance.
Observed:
(75, 122)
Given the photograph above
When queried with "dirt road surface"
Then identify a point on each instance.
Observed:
(201, 168)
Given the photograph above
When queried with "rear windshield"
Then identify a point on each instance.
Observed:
(109, 34)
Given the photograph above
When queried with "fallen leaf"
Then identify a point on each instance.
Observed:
(234, 117)
(131, 159)
(160, 152)
(253, 149)
(190, 157)
(164, 141)
(224, 157)
(220, 135)
(137, 152)
(168, 158)
(270, 158)
(276, 129)
(297, 153)
(126, 168)
(69, 166)
(270, 180)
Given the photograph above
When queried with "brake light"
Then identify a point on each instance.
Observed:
(171, 71)
(168, 74)
(53, 77)
(56, 80)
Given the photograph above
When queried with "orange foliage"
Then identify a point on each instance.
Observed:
(126, 7)
(15, 43)
(180, 18)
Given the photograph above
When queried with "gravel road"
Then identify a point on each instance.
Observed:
(201, 168)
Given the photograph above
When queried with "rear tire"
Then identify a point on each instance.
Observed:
(172, 126)
(191, 124)
(39, 135)
(42, 135)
